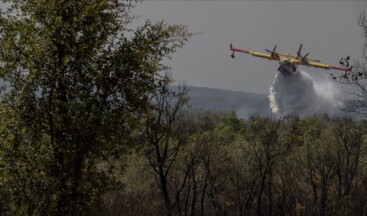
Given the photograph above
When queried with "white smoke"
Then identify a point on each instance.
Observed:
(297, 94)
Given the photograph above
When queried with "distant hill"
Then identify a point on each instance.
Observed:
(243, 103)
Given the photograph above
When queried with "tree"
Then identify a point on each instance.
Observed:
(165, 134)
(349, 141)
(75, 79)
(354, 82)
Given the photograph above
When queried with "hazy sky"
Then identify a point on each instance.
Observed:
(328, 30)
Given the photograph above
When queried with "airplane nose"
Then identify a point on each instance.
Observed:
(285, 68)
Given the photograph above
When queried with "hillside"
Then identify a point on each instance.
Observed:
(243, 103)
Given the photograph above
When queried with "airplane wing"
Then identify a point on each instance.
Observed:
(288, 55)
(318, 64)
(295, 59)
(271, 56)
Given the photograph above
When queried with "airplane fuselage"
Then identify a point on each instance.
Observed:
(287, 67)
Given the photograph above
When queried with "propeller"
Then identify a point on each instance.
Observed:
(304, 58)
(273, 53)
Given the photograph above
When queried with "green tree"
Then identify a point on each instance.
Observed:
(75, 77)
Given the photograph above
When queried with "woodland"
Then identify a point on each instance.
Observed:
(89, 125)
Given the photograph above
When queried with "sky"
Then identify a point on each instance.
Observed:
(328, 30)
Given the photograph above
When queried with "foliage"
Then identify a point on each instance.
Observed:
(227, 166)
(75, 80)
(354, 82)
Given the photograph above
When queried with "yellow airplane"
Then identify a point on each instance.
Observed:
(288, 63)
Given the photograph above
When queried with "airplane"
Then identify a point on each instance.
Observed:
(288, 63)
